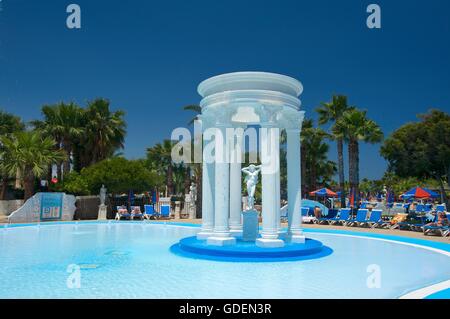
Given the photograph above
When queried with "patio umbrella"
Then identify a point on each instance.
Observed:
(323, 192)
(419, 192)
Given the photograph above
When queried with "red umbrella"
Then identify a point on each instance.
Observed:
(419, 192)
(324, 192)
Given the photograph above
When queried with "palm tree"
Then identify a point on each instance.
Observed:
(332, 112)
(196, 168)
(62, 122)
(355, 127)
(160, 159)
(30, 154)
(105, 133)
(315, 164)
(195, 108)
(9, 124)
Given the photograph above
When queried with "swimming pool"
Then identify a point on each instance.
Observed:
(133, 260)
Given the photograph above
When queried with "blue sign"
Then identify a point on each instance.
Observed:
(51, 206)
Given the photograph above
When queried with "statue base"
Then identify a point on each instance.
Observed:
(250, 225)
(221, 241)
(102, 211)
(269, 243)
(296, 237)
(244, 251)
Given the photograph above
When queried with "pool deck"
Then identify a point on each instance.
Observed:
(395, 232)
(404, 233)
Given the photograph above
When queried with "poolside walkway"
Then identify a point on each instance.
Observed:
(404, 233)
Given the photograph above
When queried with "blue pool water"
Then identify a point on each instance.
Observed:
(133, 260)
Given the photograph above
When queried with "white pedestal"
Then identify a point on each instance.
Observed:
(297, 238)
(221, 241)
(177, 210)
(204, 235)
(250, 225)
(269, 243)
(192, 211)
(102, 211)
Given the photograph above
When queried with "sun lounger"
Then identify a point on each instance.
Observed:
(415, 226)
(149, 212)
(342, 218)
(440, 230)
(136, 215)
(360, 218)
(120, 215)
(325, 220)
(307, 216)
(165, 211)
(375, 217)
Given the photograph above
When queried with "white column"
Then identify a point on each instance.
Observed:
(270, 152)
(208, 183)
(221, 235)
(295, 231)
(236, 183)
(281, 234)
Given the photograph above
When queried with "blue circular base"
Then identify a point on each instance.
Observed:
(248, 251)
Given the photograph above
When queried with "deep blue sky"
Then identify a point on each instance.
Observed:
(148, 57)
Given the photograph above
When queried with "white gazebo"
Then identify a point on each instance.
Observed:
(232, 102)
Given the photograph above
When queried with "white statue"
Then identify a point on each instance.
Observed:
(191, 201)
(193, 192)
(251, 180)
(103, 195)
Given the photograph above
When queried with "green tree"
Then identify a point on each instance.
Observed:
(196, 168)
(332, 112)
(422, 149)
(105, 132)
(30, 154)
(355, 127)
(74, 183)
(195, 108)
(316, 168)
(64, 123)
(9, 124)
(159, 158)
(119, 175)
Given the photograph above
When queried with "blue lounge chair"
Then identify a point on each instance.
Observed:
(136, 215)
(441, 230)
(375, 218)
(165, 211)
(418, 225)
(149, 211)
(342, 218)
(381, 224)
(440, 208)
(305, 211)
(120, 216)
(325, 220)
(360, 218)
